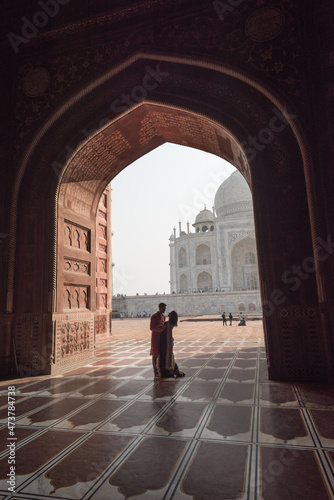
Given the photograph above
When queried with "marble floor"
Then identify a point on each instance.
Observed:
(108, 430)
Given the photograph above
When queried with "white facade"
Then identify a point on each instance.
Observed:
(221, 254)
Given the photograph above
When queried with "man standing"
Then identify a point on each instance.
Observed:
(156, 326)
(224, 319)
(230, 318)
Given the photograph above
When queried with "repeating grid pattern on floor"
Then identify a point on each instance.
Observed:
(110, 431)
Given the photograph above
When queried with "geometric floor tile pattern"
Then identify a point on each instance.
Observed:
(110, 431)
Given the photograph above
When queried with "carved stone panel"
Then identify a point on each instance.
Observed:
(76, 236)
(103, 256)
(299, 328)
(101, 324)
(102, 265)
(234, 236)
(74, 339)
(264, 24)
(102, 231)
(27, 345)
(102, 301)
(75, 297)
(102, 214)
(76, 266)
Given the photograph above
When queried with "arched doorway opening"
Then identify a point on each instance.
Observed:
(244, 264)
(80, 213)
(204, 282)
(217, 121)
(203, 255)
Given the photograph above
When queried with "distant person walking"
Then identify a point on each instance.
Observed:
(224, 319)
(157, 324)
(230, 317)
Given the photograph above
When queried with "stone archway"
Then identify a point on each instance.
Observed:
(183, 283)
(204, 282)
(203, 255)
(182, 257)
(222, 120)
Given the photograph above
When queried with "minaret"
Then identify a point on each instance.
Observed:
(172, 263)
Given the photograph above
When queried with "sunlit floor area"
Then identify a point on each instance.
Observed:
(108, 430)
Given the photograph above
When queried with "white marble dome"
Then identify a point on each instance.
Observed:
(204, 216)
(233, 196)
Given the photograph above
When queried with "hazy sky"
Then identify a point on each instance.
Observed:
(149, 198)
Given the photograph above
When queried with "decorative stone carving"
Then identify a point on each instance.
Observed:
(93, 162)
(75, 297)
(298, 312)
(76, 236)
(103, 300)
(36, 81)
(76, 266)
(102, 215)
(264, 24)
(103, 265)
(238, 235)
(147, 131)
(101, 324)
(27, 345)
(75, 337)
(102, 231)
(104, 200)
(299, 327)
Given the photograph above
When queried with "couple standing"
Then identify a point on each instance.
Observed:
(162, 344)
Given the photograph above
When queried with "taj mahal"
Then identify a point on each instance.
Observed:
(220, 255)
(214, 268)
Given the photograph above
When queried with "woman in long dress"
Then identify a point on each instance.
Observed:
(168, 366)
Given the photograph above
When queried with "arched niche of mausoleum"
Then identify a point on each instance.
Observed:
(204, 282)
(183, 283)
(252, 282)
(244, 267)
(182, 257)
(203, 255)
(250, 258)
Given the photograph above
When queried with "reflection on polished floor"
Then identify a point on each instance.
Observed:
(110, 431)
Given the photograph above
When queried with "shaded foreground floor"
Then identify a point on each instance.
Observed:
(109, 431)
